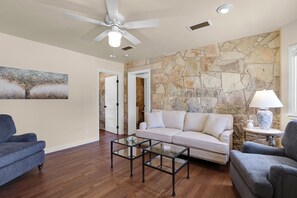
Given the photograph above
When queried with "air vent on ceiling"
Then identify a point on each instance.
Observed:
(200, 25)
(127, 48)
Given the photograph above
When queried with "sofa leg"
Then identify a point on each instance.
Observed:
(40, 167)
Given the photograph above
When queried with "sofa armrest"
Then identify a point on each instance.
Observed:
(283, 179)
(27, 137)
(227, 137)
(143, 126)
(252, 147)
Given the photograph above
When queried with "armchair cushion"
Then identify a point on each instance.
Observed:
(252, 147)
(289, 140)
(28, 137)
(11, 152)
(254, 169)
(284, 180)
(7, 127)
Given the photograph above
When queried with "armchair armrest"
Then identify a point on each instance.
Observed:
(252, 147)
(28, 137)
(283, 179)
(143, 126)
(227, 137)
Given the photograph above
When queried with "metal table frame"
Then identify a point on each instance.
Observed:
(131, 157)
(173, 172)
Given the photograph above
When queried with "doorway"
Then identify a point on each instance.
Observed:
(108, 102)
(138, 98)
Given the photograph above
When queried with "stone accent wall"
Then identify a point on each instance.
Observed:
(220, 78)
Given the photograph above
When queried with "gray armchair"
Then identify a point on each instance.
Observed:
(18, 153)
(264, 171)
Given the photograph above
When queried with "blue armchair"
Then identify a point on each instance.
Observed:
(18, 153)
(264, 171)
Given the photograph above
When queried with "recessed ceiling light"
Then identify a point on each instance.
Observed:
(225, 8)
(126, 55)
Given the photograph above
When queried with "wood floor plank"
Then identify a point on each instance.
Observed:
(85, 171)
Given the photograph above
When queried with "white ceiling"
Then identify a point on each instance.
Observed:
(44, 21)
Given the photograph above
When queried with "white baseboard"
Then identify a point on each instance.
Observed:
(70, 145)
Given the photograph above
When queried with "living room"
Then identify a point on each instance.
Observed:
(215, 69)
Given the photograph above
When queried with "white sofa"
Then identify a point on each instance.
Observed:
(208, 135)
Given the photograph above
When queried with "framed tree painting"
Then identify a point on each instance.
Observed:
(29, 84)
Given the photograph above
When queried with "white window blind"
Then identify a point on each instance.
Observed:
(293, 81)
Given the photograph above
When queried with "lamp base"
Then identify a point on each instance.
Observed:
(264, 117)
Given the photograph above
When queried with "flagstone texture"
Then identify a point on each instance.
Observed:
(220, 78)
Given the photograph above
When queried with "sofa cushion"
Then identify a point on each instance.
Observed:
(215, 125)
(174, 119)
(254, 169)
(229, 125)
(7, 127)
(195, 121)
(201, 141)
(154, 120)
(14, 151)
(162, 134)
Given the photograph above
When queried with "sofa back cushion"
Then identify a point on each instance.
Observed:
(229, 117)
(154, 120)
(195, 121)
(289, 140)
(174, 119)
(217, 123)
(7, 127)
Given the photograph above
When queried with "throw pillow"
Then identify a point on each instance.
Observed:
(154, 120)
(215, 125)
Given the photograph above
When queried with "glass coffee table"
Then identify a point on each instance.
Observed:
(131, 151)
(167, 160)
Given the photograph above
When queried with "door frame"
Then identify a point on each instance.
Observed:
(120, 94)
(132, 97)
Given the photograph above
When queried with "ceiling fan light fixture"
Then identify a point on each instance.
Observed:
(224, 9)
(114, 38)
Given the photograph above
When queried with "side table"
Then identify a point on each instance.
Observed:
(167, 160)
(269, 133)
(130, 151)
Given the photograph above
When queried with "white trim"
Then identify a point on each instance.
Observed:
(292, 80)
(144, 73)
(70, 145)
(120, 95)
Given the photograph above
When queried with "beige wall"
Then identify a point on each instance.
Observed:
(61, 123)
(288, 38)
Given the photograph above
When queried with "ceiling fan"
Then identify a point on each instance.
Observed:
(117, 25)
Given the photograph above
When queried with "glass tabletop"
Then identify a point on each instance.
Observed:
(166, 149)
(131, 141)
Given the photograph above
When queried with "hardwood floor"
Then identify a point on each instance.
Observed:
(85, 171)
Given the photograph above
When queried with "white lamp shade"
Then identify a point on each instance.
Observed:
(114, 38)
(265, 99)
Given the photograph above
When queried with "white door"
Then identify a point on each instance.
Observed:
(111, 104)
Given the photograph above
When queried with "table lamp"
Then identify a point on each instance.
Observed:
(264, 100)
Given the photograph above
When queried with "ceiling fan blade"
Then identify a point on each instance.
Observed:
(84, 19)
(131, 38)
(142, 24)
(112, 9)
(102, 35)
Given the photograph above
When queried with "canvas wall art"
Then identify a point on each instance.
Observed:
(29, 84)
